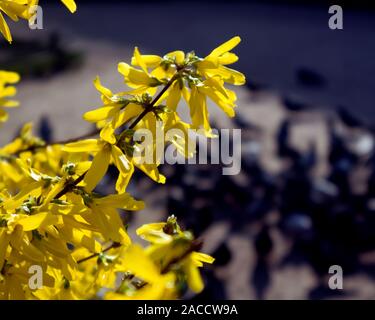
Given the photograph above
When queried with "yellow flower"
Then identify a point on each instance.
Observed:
(106, 153)
(194, 78)
(7, 90)
(138, 263)
(116, 111)
(215, 63)
(161, 232)
(120, 108)
(70, 4)
(22, 9)
(191, 264)
(162, 68)
(82, 286)
(49, 214)
(14, 9)
(140, 80)
(104, 215)
(170, 243)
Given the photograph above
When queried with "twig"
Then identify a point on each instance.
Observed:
(112, 246)
(154, 101)
(84, 136)
(195, 245)
(70, 185)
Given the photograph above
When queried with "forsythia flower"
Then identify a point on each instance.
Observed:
(14, 9)
(51, 214)
(105, 153)
(151, 269)
(195, 79)
(150, 283)
(182, 75)
(7, 91)
(22, 9)
(70, 4)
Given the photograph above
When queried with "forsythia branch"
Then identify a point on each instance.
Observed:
(112, 246)
(48, 219)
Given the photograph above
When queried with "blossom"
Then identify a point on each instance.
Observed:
(138, 263)
(22, 9)
(104, 154)
(168, 235)
(7, 78)
(51, 213)
(70, 4)
(14, 9)
(214, 65)
(191, 78)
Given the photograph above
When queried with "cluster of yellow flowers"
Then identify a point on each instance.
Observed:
(22, 9)
(7, 91)
(51, 216)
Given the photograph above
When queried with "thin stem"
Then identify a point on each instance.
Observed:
(195, 245)
(84, 136)
(154, 101)
(93, 132)
(147, 109)
(112, 246)
(70, 185)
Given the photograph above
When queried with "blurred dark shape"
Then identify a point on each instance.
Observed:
(284, 149)
(258, 208)
(340, 157)
(292, 104)
(348, 118)
(310, 78)
(322, 291)
(263, 243)
(325, 188)
(261, 278)
(222, 255)
(37, 59)
(308, 160)
(206, 218)
(261, 275)
(214, 289)
(45, 129)
(243, 124)
(342, 161)
(298, 224)
(255, 86)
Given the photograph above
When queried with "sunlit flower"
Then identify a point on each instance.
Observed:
(22, 9)
(7, 91)
(51, 212)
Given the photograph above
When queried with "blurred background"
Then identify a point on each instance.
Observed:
(305, 198)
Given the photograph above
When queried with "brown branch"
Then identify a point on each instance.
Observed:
(93, 132)
(149, 107)
(195, 245)
(112, 246)
(70, 185)
(84, 136)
